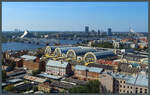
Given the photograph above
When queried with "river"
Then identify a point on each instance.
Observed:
(26, 46)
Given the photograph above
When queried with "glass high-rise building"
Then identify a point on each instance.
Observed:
(109, 32)
(87, 29)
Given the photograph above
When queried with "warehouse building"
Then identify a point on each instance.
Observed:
(87, 73)
(33, 63)
(93, 56)
(58, 68)
(136, 58)
(73, 53)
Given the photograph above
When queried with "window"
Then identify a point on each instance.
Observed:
(120, 90)
(120, 81)
(145, 91)
(124, 82)
(130, 91)
(123, 90)
(124, 86)
(136, 91)
(128, 86)
(131, 87)
(141, 91)
(140, 88)
(127, 91)
(120, 85)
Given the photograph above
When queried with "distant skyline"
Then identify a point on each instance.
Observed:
(74, 16)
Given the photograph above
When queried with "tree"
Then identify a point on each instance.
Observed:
(35, 88)
(4, 76)
(103, 45)
(35, 72)
(9, 88)
(93, 86)
(12, 65)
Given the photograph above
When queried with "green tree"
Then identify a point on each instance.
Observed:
(9, 88)
(35, 72)
(92, 86)
(35, 88)
(103, 45)
(4, 75)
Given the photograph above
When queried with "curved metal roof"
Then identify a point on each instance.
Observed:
(104, 54)
(65, 49)
(83, 51)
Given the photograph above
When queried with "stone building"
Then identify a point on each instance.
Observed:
(130, 84)
(58, 68)
(107, 82)
(87, 73)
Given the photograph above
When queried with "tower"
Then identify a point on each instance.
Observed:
(86, 29)
(99, 32)
(109, 32)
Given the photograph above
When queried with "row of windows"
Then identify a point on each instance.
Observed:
(53, 72)
(127, 91)
(122, 82)
(141, 91)
(127, 86)
(56, 70)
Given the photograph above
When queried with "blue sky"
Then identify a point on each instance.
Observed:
(74, 16)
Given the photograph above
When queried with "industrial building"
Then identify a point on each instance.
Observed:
(102, 54)
(73, 53)
(58, 68)
(87, 73)
(134, 58)
(33, 63)
(86, 54)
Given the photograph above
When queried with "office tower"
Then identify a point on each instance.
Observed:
(87, 29)
(109, 32)
(99, 32)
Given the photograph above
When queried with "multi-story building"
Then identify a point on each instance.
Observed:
(121, 83)
(107, 81)
(109, 32)
(87, 73)
(130, 84)
(58, 68)
(134, 58)
(33, 63)
(87, 29)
